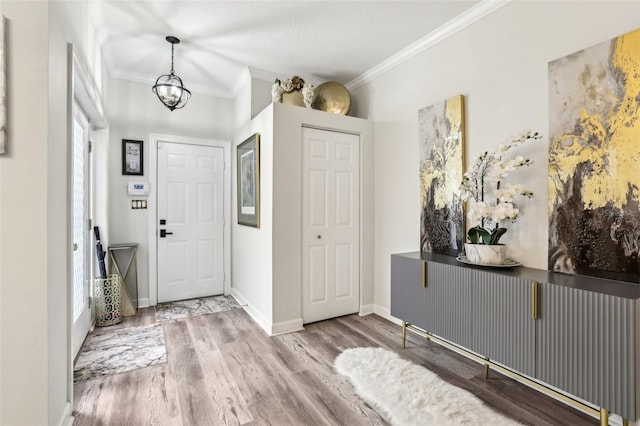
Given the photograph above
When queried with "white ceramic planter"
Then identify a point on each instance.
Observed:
(483, 254)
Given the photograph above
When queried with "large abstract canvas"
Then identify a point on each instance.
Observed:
(594, 160)
(441, 139)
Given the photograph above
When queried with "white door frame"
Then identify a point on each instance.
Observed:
(152, 206)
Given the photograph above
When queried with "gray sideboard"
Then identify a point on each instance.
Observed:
(578, 334)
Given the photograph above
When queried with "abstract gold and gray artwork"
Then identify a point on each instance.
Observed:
(441, 139)
(594, 160)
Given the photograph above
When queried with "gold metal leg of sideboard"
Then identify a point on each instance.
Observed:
(486, 369)
(604, 417)
(404, 334)
(625, 422)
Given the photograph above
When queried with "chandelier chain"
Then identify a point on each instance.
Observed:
(172, 46)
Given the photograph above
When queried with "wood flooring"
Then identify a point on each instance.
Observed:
(222, 369)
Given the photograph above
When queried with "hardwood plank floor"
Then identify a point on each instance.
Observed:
(222, 369)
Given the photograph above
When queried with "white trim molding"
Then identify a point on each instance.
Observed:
(386, 314)
(253, 313)
(271, 328)
(366, 310)
(67, 418)
(286, 327)
(441, 33)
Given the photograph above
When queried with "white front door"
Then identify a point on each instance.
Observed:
(190, 221)
(81, 247)
(330, 224)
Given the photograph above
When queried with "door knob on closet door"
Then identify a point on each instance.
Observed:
(319, 237)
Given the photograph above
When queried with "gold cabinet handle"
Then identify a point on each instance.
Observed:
(424, 274)
(534, 300)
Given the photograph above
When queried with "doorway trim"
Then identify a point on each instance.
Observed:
(152, 206)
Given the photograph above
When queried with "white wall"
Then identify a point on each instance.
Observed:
(35, 360)
(253, 95)
(251, 248)
(500, 64)
(101, 165)
(23, 222)
(134, 113)
(287, 204)
(271, 285)
(260, 95)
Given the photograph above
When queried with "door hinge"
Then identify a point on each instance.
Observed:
(89, 224)
(90, 146)
(89, 301)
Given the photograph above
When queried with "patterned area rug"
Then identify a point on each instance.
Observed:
(120, 350)
(408, 394)
(189, 308)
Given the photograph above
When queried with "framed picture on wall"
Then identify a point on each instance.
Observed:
(248, 182)
(132, 157)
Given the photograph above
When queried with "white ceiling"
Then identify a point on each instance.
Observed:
(317, 40)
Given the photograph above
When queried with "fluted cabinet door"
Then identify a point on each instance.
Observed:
(586, 345)
(448, 300)
(503, 327)
(407, 293)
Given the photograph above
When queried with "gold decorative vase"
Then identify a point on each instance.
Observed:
(332, 97)
(293, 98)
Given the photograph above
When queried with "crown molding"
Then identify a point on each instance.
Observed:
(150, 80)
(460, 22)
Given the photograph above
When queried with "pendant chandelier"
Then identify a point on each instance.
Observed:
(169, 88)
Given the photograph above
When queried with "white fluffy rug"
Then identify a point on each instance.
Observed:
(408, 394)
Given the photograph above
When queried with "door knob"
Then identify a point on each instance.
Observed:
(319, 237)
(164, 233)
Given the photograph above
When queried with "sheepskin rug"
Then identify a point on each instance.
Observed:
(408, 394)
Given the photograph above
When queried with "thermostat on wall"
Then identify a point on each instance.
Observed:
(138, 188)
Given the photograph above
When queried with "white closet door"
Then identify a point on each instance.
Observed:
(331, 224)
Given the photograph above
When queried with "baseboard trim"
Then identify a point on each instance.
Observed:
(66, 419)
(366, 310)
(143, 303)
(265, 324)
(386, 314)
(286, 327)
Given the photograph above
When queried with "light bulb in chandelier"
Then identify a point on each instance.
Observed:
(169, 88)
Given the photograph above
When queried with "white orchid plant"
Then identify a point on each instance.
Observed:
(489, 202)
(292, 84)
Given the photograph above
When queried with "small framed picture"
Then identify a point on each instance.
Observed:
(248, 184)
(132, 157)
